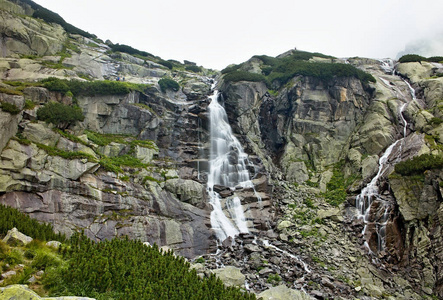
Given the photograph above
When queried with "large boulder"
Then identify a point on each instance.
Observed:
(19, 291)
(15, 237)
(187, 191)
(415, 71)
(415, 199)
(231, 276)
(282, 292)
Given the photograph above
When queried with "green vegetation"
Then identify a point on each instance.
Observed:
(125, 269)
(51, 17)
(274, 279)
(91, 88)
(116, 269)
(128, 49)
(103, 139)
(276, 72)
(9, 108)
(114, 164)
(236, 76)
(192, 68)
(230, 69)
(418, 58)
(166, 63)
(419, 164)
(11, 217)
(168, 84)
(60, 115)
(10, 91)
(53, 151)
(336, 187)
(29, 104)
(70, 137)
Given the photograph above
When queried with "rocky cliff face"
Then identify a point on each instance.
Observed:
(309, 125)
(312, 141)
(162, 202)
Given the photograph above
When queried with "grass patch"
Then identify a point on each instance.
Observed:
(10, 91)
(103, 139)
(115, 164)
(9, 108)
(29, 105)
(70, 137)
(336, 188)
(53, 151)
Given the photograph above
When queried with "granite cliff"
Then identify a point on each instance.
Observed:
(314, 138)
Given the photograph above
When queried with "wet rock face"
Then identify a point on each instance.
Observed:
(308, 121)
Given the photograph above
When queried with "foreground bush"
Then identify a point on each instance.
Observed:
(11, 217)
(125, 269)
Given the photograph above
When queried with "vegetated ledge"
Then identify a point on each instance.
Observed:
(278, 71)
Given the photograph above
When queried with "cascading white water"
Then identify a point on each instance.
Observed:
(227, 168)
(371, 192)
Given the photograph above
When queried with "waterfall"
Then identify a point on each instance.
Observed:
(370, 193)
(228, 169)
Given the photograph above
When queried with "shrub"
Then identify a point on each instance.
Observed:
(168, 84)
(437, 59)
(56, 85)
(90, 88)
(9, 108)
(336, 188)
(167, 64)
(418, 164)
(192, 68)
(59, 114)
(11, 217)
(411, 58)
(125, 269)
(129, 50)
(230, 69)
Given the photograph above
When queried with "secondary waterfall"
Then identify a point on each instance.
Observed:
(370, 193)
(227, 168)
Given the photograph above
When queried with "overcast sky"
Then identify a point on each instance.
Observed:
(215, 34)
